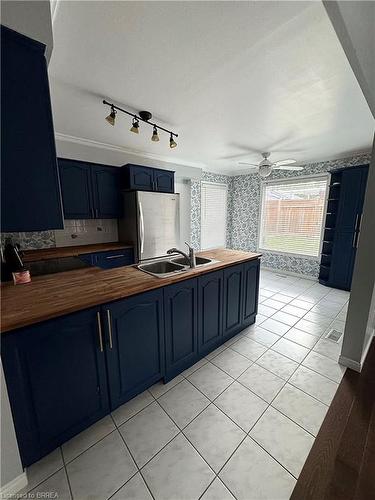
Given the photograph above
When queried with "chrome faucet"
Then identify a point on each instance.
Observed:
(190, 258)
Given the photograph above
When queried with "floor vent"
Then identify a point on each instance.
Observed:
(334, 335)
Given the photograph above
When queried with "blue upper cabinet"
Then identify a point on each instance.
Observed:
(89, 190)
(163, 181)
(137, 177)
(30, 193)
(56, 378)
(106, 192)
(75, 178)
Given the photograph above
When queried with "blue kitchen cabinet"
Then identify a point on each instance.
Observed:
(138, 177)
(30, 192)
(342, 226)
(89, 190)
(210, 311)
(163, 181)
(250, 291)
(134, 345)
(56, 379)
(181, 326)
(233, 301)
(75, 178)
(110, 258)
(106, 192)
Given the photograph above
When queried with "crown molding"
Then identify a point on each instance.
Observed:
(112, 147)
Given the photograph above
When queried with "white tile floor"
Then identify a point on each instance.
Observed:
(239, 424)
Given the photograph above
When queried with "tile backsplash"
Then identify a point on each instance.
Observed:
(75, 232)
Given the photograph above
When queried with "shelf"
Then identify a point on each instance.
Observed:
(326, 254)
(333, 199)
(335, 184)
(324, 266)
(329, 228)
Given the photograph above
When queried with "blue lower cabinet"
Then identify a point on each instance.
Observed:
(56, 379)
(233, 303)
(210, 311)
(134, 344)
(181, 326)
(250, 291)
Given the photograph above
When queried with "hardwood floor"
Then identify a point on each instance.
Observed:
(341, 463)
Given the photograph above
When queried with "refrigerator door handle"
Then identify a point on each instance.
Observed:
(142, 227)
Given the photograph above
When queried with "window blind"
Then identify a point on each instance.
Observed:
(292, 216)
(213, 215)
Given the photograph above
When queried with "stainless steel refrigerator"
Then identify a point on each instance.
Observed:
(151, 222)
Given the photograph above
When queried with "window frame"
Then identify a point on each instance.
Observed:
(221, 184)
(303, 178)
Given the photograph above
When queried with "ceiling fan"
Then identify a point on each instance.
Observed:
(266, 166)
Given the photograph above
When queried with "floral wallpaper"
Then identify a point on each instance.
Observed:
(244, 209)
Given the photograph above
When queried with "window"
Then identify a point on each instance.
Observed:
(292, 216)
(213, 215)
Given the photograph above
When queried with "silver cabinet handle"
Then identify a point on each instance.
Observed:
(96, 213)
(356, 223)
(115, 256)
(109, 328)
(354, 238)
(142, 231)
(100, 331)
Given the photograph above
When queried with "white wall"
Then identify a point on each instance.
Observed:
(354, 23)
(32, 19)
(11, 466)
(359, 324)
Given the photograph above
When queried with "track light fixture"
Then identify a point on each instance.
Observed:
(145, 117)
(135, 126)
(112, 116)
(155, 137)
(172, 142)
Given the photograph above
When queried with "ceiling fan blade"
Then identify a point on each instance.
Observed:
(284, 162)
(248, 164)
(288, 167)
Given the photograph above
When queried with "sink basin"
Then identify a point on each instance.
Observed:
(199, 261)
(162, 268)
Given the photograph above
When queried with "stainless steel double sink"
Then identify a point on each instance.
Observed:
(169, 267)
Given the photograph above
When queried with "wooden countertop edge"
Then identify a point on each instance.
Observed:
(103, 286)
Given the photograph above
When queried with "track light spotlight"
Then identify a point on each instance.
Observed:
(135, 126)
(155, 137)
(172, 142)
(112, 116)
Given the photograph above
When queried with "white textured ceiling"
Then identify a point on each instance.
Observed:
(232, 78)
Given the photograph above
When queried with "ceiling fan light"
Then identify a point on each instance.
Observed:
(172, 142)
(135, 126)
(155, 137)
(265, 170)
(111, 118)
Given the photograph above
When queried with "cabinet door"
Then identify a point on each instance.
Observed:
(210, 311)
(56, 379)
(164, 181)
(134, 345)
(343, 256)
(141, 178)
(106, 192)
(180, 319)
(250, 291)
(233, 303)
(350, 195)
(30, 192)
(75, 178)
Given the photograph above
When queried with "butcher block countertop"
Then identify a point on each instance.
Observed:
(54, 295)
(56, 252)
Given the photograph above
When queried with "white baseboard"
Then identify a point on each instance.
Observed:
(350, 363)
(289, 273)
(14, 486)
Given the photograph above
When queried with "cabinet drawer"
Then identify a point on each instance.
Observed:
(115, 258)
